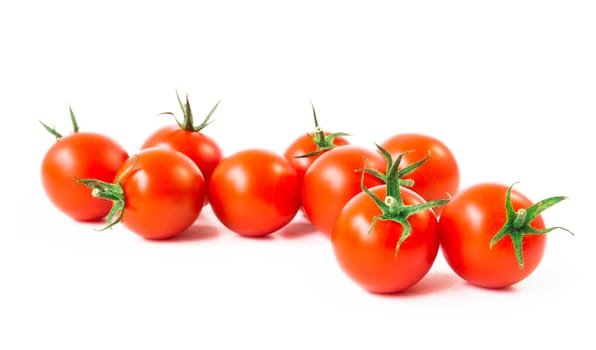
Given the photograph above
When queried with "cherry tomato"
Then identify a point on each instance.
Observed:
(304, 150)
(80, 154)
(493, 236)
(333, 179)
(254, 192)
(386, 238)
(157, 194)
(438, 177)
(189, 139)
(370, 258)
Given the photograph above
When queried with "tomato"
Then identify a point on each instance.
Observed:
(370, 258)
(333, 179)
(438, 177)
(189, 139)
(254, 192)
(305, 149)
(158, 193)
(80, 154)
(484, 241)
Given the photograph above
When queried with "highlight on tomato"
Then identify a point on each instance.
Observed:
(386, 237)
(254, 192)
(439, 174)
(157, 193)
(189, 139)
(79, 154)
(493, 236)
(304, 150)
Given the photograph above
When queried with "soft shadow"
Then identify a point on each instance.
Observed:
(297, 229)
(433, 282)
(197, 232)
(502, 290)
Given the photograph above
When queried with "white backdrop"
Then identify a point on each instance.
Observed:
(509, 86)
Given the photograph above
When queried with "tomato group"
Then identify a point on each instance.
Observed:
(158, 193)
(438, 177)
(387, 211)
(254, 192)
(333, 179)
(492, 235)
(80, 154)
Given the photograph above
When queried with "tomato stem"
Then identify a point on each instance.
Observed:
(111, 191)
(187, 122)
(323, 142)
(517, 224)
(57, 135)
(520, 218)
(392, 207)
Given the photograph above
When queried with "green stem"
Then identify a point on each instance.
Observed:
(520, 218)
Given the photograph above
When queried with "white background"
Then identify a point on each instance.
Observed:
(509, 86)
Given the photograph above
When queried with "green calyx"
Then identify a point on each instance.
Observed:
(322, 141)
(517, 223)
(393, 207)
(188, 122)
(57, 135)
(111, 191)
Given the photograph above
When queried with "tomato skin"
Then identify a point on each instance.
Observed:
(468, 223)
(333, 179)
(84, 155)
(254, 192)
(305, 145)
(203, 150)
(438, 176)
(369, 259)
(164, 193)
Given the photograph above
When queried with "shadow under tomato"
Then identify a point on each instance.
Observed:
(196, 232)
(502, 290)
(433, 282)
(297, 229)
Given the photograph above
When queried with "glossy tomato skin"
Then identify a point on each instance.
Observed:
(468, 223)
(254, 192)
(439, 176)
(83, 155)
(305, 145)
(164, 193)
(369, 259)
(203, 150)
(333, 179)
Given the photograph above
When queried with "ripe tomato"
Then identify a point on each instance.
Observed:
(435, 178)
(189, 139)
(254, 192)
(369, 256)
(304, 150)
(485, 242)
(80, 154)
(333, 179)
(157, 194)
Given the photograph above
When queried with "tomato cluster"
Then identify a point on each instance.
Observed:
(388, 210)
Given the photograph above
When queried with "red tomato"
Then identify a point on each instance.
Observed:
(370, 258)
(436, 178)
(80, 154)
(304, 150)
(158, 193)
(468, 227)
(254, 192)
(189, 139)
(333, 179)
(308, 145)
